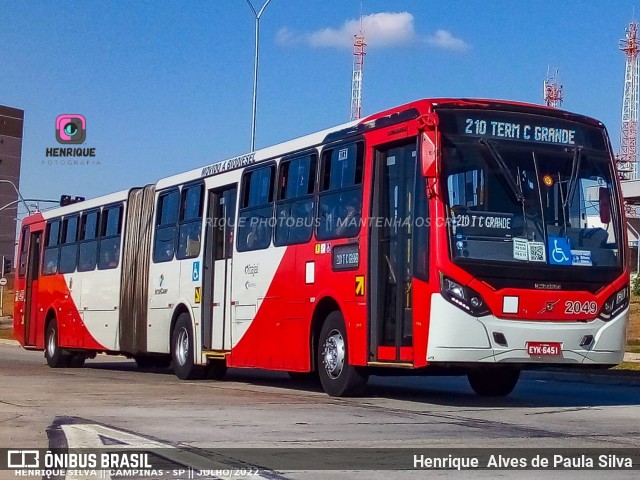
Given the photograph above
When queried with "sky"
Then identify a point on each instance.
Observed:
(166, 86)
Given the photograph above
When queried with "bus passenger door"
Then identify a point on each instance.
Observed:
(392, 253)
(216, 282)
(31, 289)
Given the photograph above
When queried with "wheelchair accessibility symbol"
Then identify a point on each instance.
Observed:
(559, 251)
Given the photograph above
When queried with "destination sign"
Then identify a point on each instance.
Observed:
(486, 224)
(346, 257)
(519, 131)
(524, 127)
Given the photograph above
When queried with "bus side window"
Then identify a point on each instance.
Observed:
(294, 209)
(24, 249)
(51, 249)
(69, 247)
(255, 221)
(166, 225)
(190, 223)
(340, 199)
(88, 250)
(109, 243)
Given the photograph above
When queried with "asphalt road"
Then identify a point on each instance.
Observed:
(41, 407)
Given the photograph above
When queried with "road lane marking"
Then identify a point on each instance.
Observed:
(97, 436)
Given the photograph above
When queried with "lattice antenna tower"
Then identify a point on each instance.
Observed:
(553, 94)
(628, 155)
(359, 46)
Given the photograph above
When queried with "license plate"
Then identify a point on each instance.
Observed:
(544, 349)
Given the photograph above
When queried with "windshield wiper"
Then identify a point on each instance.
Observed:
(515, 189)
(573, 179)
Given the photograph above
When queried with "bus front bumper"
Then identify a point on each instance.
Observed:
(455, 336)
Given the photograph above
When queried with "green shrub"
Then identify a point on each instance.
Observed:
(635, 285)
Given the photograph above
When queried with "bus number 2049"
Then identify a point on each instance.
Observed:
(576, 308)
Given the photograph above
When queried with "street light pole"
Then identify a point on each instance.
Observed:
(13, 202)
(255, 70)
(18, 192)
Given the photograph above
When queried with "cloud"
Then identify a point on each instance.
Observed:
(447, 41)
(286, 36)
(382, 30)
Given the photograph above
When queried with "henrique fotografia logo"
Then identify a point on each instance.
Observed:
(71, 128)
(23, 459)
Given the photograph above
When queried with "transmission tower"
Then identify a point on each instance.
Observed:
(552, 90)
(359, 46)
(628, 156)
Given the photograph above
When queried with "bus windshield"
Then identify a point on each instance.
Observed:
(530, 203)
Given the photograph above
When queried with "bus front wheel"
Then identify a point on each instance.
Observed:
(493, 382)
(56, 356)
(338, 378)
(182, 350)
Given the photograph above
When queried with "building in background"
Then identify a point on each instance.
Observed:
(11, 124)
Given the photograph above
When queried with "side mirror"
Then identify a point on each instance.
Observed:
(427, 156)
(604, 204)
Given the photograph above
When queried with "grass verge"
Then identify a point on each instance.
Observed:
(628, 367)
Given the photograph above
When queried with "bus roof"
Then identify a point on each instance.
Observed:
(317, 138)
(306, 141)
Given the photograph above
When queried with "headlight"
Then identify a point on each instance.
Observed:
(463, 297)
(615, 304)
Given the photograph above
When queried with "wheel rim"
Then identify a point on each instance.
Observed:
(333, 354)
(51, 343)
(182, 346)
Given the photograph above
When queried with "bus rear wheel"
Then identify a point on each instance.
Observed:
(56, 356)
(183, 350)
(338, 378)
(493, 382)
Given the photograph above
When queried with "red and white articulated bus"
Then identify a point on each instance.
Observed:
(457, 236)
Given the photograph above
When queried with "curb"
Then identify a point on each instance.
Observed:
(4, 341)
(603, 378)
(631, 357)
